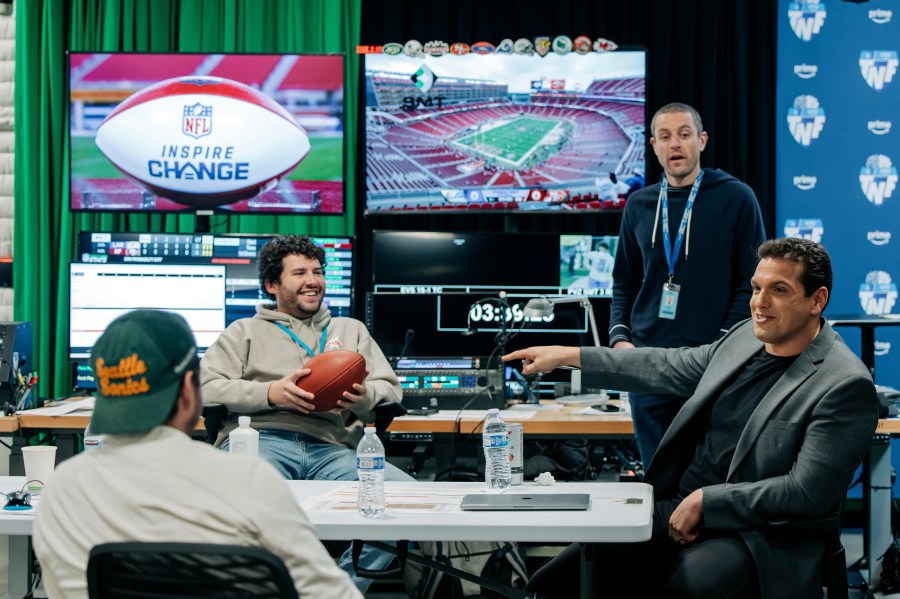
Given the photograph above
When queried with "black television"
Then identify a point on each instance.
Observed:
(501, 131)
(231, 133)
(446, 287)
(238, 253)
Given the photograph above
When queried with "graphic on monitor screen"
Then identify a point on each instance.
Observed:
(238, 253)
(445, 290)
(501, 131)
(233, 133)
(100, 293)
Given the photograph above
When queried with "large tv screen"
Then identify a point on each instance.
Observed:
(501, 131)
(234, 133)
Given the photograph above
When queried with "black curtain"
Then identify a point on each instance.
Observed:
(716, 55)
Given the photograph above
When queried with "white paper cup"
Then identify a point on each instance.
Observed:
(39, 463)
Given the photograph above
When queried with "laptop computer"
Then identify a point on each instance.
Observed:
(521, 501)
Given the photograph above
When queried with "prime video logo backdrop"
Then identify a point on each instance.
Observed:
(838, 98)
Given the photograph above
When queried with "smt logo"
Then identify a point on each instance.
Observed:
(880, 127)
(879, 237)
(878, 294)
(806, 71)
(878, 67)
(805, 182)
(804, 228)
(882, 348)
(806, 18)
(880, 16)
(424, 79)
(878, 178)
(806, 118)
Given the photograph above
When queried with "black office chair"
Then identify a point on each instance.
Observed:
(138, 570)
(785, 533)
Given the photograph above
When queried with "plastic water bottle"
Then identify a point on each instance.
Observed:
(370, 469)
(92, 441)
(495, 440)
(244, 440)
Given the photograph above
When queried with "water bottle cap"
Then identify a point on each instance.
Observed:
(494, 411)
(369, 429)
(243, 421)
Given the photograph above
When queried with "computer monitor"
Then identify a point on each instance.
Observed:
(99, 293)
(238, 253)
(441, 285)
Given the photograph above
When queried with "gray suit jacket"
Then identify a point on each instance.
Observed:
(797, 452)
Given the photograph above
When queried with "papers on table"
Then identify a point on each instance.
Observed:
(66, 407)
(404, 499)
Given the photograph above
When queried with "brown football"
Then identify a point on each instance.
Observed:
(332, 373)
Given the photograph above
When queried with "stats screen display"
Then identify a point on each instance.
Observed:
(100, 293)
(237, 254)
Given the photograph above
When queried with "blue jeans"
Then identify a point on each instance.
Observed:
(652, 416)
(301, 457)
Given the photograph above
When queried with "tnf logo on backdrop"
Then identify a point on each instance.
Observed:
(878, 67)
(878, 178)
(882, 348)
(878, 294)
(806, 18)
(804, 228)
(806, 118)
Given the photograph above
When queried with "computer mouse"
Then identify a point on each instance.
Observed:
(18, 500)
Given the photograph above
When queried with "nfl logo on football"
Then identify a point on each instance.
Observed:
(878, 178)
(197, 120)
(878, 67)
(806, 118)
(878, 294)
(806, 18)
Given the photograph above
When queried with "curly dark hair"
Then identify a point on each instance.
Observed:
(271, 257)
(815, 260)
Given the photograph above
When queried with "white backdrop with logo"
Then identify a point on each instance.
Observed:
(838, 144)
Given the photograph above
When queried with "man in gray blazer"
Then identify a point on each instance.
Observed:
(780, 414)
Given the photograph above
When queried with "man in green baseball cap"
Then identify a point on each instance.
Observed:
(151, 482)
(139, 374)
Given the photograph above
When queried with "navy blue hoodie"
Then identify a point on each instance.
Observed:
(726, 229)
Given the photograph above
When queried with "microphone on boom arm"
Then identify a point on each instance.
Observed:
(410, 334)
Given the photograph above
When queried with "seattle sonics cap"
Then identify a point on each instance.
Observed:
(139, 362)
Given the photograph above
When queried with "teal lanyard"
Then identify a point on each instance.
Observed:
(308, 349)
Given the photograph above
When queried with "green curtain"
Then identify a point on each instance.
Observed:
(44, 228)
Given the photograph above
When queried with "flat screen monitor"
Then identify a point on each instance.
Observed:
(445, 286)
(99, 293)
(238, 253)
(501, 131)
(233, 133)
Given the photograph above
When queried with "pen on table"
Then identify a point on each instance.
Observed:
(31, 383)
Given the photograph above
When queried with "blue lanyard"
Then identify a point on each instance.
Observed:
(308, 349)
(672, 253)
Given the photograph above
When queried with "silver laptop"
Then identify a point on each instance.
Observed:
(521, 501)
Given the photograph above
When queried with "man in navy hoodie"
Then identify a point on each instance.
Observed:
(687, 250)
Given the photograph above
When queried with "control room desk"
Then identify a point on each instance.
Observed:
(66, 427)
(564, 423)
(619, 512)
